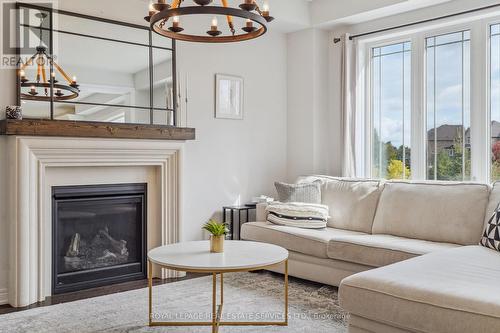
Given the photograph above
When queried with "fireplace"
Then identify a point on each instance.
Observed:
(98, 235)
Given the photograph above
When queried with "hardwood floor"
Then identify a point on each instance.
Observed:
(100, 291)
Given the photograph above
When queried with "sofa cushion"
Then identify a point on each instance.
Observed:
(455, 290)
(303, 192)
(491, 233)
(352, 202)
(380, 250)
(313, 242)
(298, 214)
(493, 201)
(438, 211)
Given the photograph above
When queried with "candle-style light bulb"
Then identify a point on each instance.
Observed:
(214, 31)
(22, 73)
(265, 12)
(152, 10)
(265, 7)
(176, 26)
(249, 23)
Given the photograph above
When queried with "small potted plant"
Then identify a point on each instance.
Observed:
(218, 232)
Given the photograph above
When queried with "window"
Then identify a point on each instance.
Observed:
(391, 105)
(495, 101)
(429, 102)
(448, 106)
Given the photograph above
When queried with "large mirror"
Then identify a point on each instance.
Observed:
(93, 69)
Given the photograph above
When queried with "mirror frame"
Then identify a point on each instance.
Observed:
(149, 44)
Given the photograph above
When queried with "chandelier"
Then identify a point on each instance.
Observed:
(40, 87)
(165, 19)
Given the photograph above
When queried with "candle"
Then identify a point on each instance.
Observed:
(74, 79)
(265, 9)
(249, 23)
(214, 24)
(58, 92)
(152, 10)
(176, 22)
(249, 2)
(22, 74)
(33, 90)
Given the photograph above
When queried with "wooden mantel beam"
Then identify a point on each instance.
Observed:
(65, 128)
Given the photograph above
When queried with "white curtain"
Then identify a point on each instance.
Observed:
(348, 85)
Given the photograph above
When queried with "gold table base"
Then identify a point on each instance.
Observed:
(217, 308)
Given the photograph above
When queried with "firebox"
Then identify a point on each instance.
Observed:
(99, 235)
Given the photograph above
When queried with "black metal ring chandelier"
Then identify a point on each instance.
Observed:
(161, 12)
(62, 92)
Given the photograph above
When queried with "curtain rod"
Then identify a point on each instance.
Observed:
(337, 39)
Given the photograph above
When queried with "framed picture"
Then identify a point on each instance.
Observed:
(228, 97)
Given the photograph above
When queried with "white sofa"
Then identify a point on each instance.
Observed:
(404, 254)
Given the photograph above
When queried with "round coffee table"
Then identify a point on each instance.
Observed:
(238, 256)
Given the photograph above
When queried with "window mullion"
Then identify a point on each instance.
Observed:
(463, 109)
(434, 97)
(480, 156)
(418, 127)
(381, 143)
(405, 176)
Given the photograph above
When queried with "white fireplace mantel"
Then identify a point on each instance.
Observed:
(32, 159)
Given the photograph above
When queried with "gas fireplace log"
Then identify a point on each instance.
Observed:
(74, 246)
(107, 254)
(119, 246)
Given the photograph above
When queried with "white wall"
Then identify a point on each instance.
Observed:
(7, 97)
(4, 229)
(231, 160)
(309, 136)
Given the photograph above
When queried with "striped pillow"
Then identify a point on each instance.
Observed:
(298, 214)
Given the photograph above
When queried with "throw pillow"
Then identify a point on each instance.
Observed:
(491, 234)
(296, 214)
(304, 192)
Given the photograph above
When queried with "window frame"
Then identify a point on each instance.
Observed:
(431, 34)
(369, 105)
(489, 147)
(480, 85)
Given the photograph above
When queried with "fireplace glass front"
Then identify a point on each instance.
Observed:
(99, 235)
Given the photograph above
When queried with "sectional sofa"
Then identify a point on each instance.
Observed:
(404, 254)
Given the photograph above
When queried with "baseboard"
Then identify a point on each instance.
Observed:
(4, 297)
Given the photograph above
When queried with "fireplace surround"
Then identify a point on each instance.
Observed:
(36, 164)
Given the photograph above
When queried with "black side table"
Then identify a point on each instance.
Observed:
(236, 210)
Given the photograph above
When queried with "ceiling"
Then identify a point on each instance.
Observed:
(291, 15)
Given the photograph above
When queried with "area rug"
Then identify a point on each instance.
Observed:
(313, 308)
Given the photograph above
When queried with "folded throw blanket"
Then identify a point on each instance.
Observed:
(298, 214)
